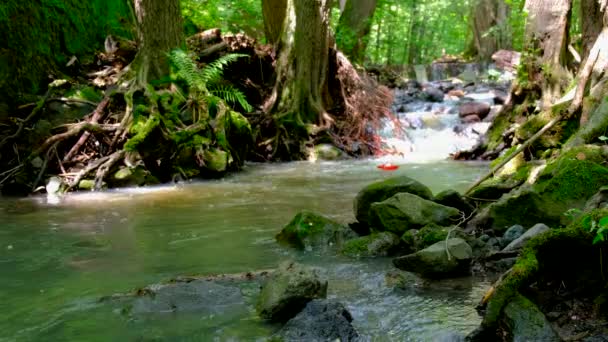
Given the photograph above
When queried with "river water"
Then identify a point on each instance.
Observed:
(58, 257)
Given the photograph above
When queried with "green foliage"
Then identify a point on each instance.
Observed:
(205, 86)
(244, 16)
(597, 226)
(39, 37)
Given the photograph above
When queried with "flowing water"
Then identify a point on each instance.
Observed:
(58, 257)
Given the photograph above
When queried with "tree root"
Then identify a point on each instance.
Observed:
(96, 116)
(34, 112)
(103, 170)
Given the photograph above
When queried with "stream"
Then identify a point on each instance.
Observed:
(59, 256)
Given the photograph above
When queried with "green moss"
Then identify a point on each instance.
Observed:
(543, 253)
(499, 126)
(431, 234)
(574, 181)
(500, 159)
(142, 131)
(522, 173)
(84, 93)
(41, 36)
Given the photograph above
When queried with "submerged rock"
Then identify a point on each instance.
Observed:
(380, 191)
(321, 320)
(527, 322)
(200, 296)
(435, 262)
(406, 211)
(287, 291)
(308, 230)
(377, 244)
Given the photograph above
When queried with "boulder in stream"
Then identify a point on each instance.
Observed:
(405, 211)
(287, 291)
(441, 260)
(376, 244)
(380, 191)
(481, 109)
(454, 199)
(321, 320)
(308, 230)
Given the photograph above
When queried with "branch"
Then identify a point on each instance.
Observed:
(34, 112)
(96, 116)
(521, 148)
(75, 130)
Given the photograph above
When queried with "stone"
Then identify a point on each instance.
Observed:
(452, 198)
(54, 185)
(529, 234)
(215, 160)
(311, 231)
(481, 109)
(374, 245)
(321, 320)
(328, 152)
(469, 119)
(456, 93)
(406, 211)
(132, 176)
(598, 201)
(527, 322)
(287, 291)
(434, 262)
(432, 94)
(513, 233)
(380, 191)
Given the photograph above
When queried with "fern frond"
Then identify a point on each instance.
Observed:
(187, 70)
(231, 95)
(213, 72)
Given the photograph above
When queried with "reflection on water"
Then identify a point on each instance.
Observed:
(58, 257)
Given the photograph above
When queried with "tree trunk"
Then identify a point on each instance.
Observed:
(274, 17)
(159, 30)
(353, 28)
(414, 33)
(547, 29)
(491, 30)
(591, 22)
(302, 65)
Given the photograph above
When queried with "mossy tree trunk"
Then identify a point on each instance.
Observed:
(591, 23)
(354, 27)
(301, 84)
(491, 29)
(547, 30)
(159, 30)
(274, 17)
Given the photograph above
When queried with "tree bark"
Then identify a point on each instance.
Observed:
(591, 23)
(274, 17)
(354, 27)
(547, 29)
(491, 30)
(302, 64)
(159, 29)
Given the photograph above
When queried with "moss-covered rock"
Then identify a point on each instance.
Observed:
(406, 211)
(374, 245)
(215, 160)
(566, 183)
(440, 260)
(452, 198)
(328, 152)
(132, 176)
(494, 188)
(527, 322)
(380, 191)
(308, 230)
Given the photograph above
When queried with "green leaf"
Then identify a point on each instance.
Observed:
(604, 222)
(603, 138)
